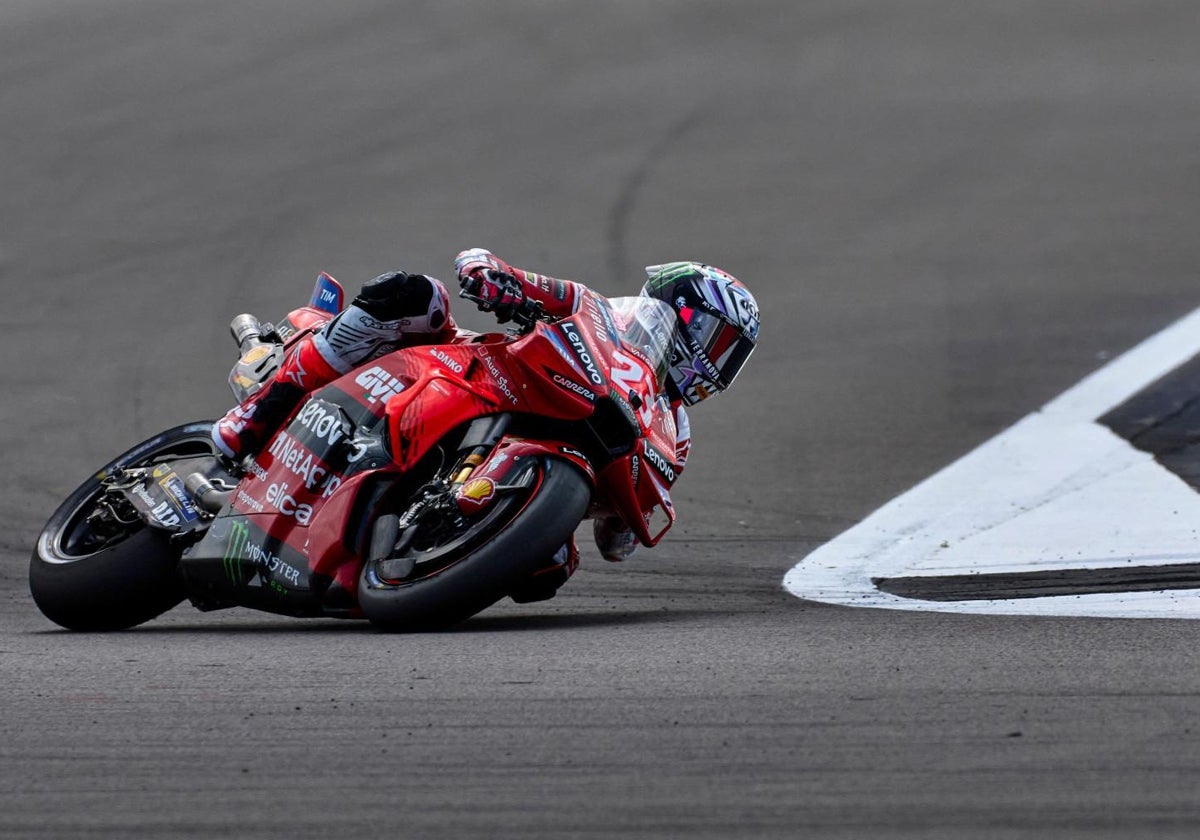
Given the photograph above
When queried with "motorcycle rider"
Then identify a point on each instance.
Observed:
(717, 330)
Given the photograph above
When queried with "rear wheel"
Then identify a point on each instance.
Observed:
(446, 569)
(96, 565)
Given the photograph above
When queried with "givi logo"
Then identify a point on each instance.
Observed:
(380, 385)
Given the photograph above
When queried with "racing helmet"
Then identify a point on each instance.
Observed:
(717, 329)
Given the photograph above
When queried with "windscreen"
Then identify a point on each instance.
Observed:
(647, 326)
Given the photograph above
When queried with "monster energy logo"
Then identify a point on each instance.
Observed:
(272, 569)
(667, 274)
(239, 538)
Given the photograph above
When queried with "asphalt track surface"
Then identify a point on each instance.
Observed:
(949, 211)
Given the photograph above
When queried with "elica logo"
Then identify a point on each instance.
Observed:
(443, 357)
(381, 386)
(285, 503)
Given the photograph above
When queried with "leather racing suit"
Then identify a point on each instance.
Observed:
(397, 310)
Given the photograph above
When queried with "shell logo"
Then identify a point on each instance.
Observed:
(477, 491)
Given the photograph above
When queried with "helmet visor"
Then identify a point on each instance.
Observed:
(726, 346)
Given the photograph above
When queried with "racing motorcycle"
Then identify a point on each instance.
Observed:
(414, 491)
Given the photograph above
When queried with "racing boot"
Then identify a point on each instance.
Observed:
(544, 583)
(246, 427)
(373, 324)
(615, 541)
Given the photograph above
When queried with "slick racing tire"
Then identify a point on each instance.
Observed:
(469, 571)
(84, 580)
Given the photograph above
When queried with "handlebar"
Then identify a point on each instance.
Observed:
(527, 313)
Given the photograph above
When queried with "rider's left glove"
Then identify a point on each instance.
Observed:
(494, 290)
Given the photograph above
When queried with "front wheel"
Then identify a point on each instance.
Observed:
(96, 569)
(456, 573)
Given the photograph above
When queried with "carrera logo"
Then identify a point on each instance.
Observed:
(581, 350)
(381, 386)
(574, 387)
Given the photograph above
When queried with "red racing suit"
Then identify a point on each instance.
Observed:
(375, 324)
(560, 299)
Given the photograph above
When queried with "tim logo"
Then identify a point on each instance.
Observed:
(327, 295)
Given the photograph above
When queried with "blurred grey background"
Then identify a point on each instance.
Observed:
(949, 212)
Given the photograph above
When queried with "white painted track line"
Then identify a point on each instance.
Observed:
(1055, 491)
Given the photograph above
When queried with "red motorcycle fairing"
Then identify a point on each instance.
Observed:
(468, 381)
(239, 563)
(296, 522)
(623, 481)
(627, 485)
(506, 461)
(295, 504)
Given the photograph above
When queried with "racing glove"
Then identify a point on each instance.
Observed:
(489, 280)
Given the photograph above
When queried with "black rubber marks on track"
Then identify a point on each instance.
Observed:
(1042, 584)
(1162, 419)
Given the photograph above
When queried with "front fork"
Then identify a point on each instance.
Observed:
(481, 438)
(489, 466)
(393, 534)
